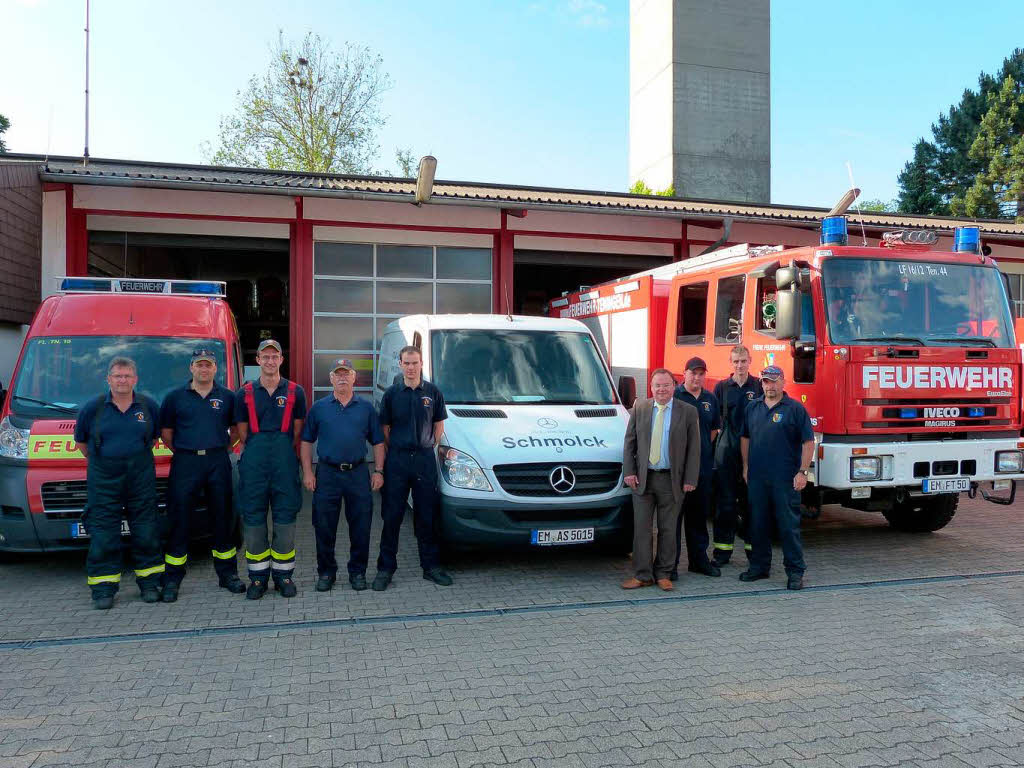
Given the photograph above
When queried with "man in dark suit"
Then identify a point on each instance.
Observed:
(660, 462)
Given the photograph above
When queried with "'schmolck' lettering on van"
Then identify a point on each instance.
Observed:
(554, 442)
(936, 377)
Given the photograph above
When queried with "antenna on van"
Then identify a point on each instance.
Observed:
(508, 302)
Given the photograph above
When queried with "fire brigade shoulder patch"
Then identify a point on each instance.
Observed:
(281, 401)
(215, 404)
(426, 401)
(707, 406)
(776, 417)
(750, 395)
(140, 416)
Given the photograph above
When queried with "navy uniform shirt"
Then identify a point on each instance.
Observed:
(120, 434)
(709, 418)
(776, 437)
(270, 408)
(198, 422)
(733, 399)
(411, 414)
(342, 431)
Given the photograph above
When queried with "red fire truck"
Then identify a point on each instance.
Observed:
(904, 356)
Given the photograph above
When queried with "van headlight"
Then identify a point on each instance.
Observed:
(460, 470)
(1008, 461)
(13, 441)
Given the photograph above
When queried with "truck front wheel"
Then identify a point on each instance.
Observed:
(922, 514)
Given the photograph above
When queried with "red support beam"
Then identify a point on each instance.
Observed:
(504, 247)
(300, 305)
(76, 237)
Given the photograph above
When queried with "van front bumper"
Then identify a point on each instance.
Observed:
(468, 522)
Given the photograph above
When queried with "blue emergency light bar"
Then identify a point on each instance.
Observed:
(975, 412)
(209, 288)
(833, 231)
(908, 413)
(967, 240)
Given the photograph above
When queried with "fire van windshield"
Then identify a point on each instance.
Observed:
(870, 301)
(519, 367)
(59, 374)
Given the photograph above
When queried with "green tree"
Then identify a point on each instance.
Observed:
(876, 206)
(943, 168)
(314, 109)
(640, 188)
(408, 165)
(998, 189)
(4, 125)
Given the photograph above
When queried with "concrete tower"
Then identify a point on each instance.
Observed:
(699, 106)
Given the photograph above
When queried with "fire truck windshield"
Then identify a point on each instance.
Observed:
(870, 301)
(59, 374)
(507, 367)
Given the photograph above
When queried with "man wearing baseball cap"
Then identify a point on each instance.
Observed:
(777, 445)
(341, 425)
(196, 421)
(697, 503)
(269, 414)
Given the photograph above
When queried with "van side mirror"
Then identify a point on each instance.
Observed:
(627, 390)
(788, 313)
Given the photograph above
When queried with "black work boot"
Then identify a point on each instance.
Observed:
(102, 600)
(231, 583)
(257, 589)
(285, 586)
(170, 592)
(150, 592)
(381, 581)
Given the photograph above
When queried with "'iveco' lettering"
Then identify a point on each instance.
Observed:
(600, 304)
(941, 413)
(936, 377)
(554, 442)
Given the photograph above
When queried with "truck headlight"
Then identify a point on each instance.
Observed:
(865, 468)
(460, 470)
(1006, 461)
(13, 441)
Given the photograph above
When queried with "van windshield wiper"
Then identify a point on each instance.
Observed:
(969, 339)
(893, 339)
(55, 406)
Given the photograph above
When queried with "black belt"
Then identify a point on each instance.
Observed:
(659, 471)
(344, 467)
(201, 451)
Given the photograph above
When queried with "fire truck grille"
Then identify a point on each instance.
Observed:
(65, 499)
(905, 423)
(591, 478)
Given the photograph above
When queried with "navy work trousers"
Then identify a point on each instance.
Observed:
(732, 508)
(194, 478)
(774, 500)
(694, 518)
(408, 472)
(334, 486)
(268, 475)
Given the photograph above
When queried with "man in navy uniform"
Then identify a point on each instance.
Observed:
(412, 415)
(269, 414)
(697, 503)
(731, 506)
(777, 447)
(117, 433)
(197, 420)
(341, 425)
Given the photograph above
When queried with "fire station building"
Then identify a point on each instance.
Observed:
(323, 262)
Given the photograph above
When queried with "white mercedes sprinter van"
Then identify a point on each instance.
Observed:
(532, 447)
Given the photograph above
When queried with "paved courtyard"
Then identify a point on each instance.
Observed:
(904, 650)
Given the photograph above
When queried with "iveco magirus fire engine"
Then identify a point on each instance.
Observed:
(903, 355)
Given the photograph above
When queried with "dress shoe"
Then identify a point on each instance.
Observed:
(749, 575)
(286, 587)
(325, 582)
(103, 602)
(358, 581)
(381, 581)
(707, 570)
(795, 581)
(257, 589)
(170, 593)
(665, 585)
(150, 594)
(232, 583)
(439, 576)
(635, 583)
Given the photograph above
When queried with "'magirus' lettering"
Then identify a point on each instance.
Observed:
(936, 377)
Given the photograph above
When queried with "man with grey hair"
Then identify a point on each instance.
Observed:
(117, 432)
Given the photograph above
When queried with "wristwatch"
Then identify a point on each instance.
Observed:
(804, 472)
(376, 471)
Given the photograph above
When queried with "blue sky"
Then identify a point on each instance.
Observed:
(531, 92)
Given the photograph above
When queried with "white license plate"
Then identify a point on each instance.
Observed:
(556, 536)
(78, 530)
(946, 484)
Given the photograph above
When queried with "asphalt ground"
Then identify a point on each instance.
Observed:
(904, 649)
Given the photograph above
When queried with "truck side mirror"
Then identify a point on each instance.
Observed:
(627, 390)
(786, 277)
(788, 313)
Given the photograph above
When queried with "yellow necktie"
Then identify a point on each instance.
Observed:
(659, 427)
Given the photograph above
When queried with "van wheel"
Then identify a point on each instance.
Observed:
(922, 515)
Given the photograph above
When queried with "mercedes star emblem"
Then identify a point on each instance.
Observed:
(547, 423)
(562, 479)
